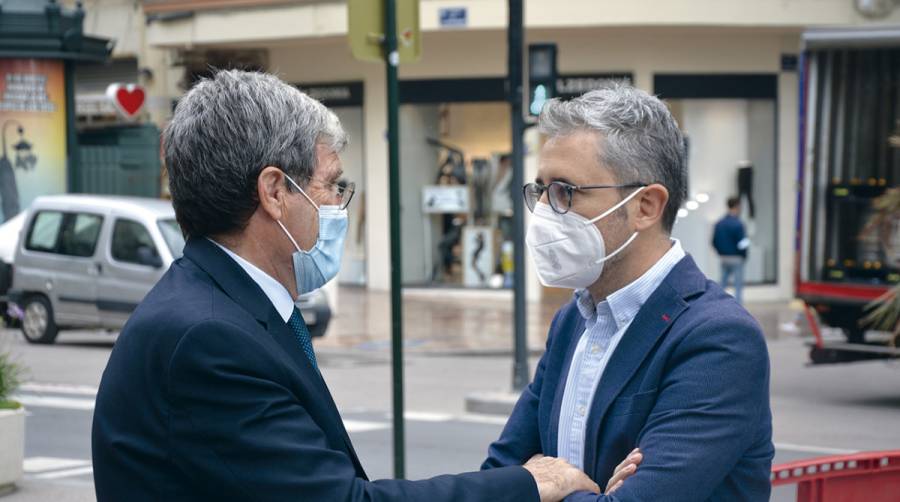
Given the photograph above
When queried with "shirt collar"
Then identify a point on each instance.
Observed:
(625, 303)
(274, 290)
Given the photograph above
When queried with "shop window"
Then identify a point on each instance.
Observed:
(730, 126)
(457, 194)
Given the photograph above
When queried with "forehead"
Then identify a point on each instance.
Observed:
(573, 158)
(328, 163)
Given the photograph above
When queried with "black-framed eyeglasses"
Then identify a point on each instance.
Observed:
(559, 193)
(342, 190)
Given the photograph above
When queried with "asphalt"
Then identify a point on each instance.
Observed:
(817, 410)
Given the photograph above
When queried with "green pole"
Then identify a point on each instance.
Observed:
(73, 156)
(392, 60)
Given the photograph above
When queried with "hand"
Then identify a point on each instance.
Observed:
(556, 478)
(624, 470)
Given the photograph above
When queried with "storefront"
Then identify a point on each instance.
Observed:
(728, 82)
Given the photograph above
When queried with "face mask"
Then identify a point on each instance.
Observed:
(315, 267)
(568, 249)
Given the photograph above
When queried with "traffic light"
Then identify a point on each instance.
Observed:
(541, 76)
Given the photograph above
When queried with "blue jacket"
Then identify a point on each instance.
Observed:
(208, 396)
(727, 234)
(688, 384)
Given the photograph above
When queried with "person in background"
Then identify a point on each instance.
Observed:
(731, 242)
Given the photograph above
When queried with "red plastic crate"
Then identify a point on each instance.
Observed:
(869, 477)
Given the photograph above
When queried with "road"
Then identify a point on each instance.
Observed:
(817, 410)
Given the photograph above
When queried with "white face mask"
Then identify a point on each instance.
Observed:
(568, 249)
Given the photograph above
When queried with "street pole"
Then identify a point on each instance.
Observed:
(514, 92)
(392, 60)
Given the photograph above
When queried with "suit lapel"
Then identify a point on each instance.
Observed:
(653, 320)
(241, 288)
(282, 334)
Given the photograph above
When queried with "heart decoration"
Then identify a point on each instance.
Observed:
(127, 98)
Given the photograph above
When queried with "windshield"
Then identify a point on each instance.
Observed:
(172, 234)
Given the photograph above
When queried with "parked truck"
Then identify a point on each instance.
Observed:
(849, 155)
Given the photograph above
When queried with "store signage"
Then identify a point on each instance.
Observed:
(574, 85)
(334, 94)
(127, 98)
(443, 199)
(33, 126)
(453, 17)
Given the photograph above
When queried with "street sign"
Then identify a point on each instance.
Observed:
(453, 17)
(366, 30)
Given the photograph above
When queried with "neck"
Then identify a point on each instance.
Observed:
(646, 251)
(249, 248)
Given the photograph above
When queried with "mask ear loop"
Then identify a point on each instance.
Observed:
(617, 206)
(623, 246)
(607, 213)
(280, 224)
(302, 192)
(288, 234)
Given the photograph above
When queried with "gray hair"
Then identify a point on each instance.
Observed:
(225, 131)
(638, 139)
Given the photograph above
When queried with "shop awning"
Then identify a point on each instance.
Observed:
(837, 38)
(43, 29)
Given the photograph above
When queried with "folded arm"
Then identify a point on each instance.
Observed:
(706, 416)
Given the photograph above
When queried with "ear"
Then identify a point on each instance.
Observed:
(272, 192)
(651, 205)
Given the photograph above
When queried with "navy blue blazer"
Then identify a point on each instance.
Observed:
(688, 384)
(208, 396)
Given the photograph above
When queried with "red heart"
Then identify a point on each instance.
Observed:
(130, 100)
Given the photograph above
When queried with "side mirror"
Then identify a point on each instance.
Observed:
(148, 256)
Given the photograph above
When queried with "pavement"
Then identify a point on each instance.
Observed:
(456, 348)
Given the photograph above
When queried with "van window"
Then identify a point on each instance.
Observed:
(128, 239)
(72, 234)
(44, 232)
(79, 234)
(175, 239)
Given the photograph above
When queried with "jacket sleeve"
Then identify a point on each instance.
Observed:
(233, 420)
(521, 437)
(706, 417)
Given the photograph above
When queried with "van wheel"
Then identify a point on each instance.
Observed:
(38, 324)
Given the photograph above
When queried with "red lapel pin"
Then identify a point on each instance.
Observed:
(665, 317)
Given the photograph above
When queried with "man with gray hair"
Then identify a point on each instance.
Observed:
(213, 390)
(649, 359)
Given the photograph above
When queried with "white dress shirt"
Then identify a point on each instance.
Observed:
(277, 294)
(605, 324)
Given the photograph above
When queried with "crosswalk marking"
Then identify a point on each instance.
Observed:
(67, 403)
(66, 473)
(57, 388)
(362, 426)
(33, 465)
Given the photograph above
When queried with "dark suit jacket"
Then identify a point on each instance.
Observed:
(208, 396)
(688, 384)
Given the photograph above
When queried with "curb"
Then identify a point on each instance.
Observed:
(491, 403)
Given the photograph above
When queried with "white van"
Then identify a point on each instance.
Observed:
(86, 261)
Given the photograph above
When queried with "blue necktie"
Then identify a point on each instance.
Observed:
(298, 326)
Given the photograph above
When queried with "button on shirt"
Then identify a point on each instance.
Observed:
(274, 291)
(605, 324)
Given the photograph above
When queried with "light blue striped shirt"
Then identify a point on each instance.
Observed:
(605, 324)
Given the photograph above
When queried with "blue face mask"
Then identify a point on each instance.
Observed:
(320, 264)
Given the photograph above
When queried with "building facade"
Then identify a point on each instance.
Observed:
(727, 68)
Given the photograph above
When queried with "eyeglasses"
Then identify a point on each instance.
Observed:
(560, 193)
(342, 190)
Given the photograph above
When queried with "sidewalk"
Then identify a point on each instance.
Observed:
(466, 322)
